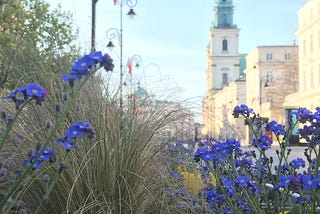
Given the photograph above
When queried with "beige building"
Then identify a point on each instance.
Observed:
(272, 74)
(308, 94)
(218, 117)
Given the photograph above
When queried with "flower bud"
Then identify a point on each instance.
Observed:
(29, 153)
(58, 107)
(38, 146)
(3, 171)
(3, 115)
(62, 167)
(65, 97)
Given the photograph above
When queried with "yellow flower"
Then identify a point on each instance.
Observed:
(192, 180)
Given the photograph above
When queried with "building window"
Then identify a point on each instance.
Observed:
(269, 77)
(224, 45)
(304, 47)
(287, 56)
(224, 79)
(269, 56)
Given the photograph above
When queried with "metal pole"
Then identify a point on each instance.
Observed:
(93, 25)
(121, 69)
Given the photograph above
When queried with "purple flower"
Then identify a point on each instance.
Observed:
(107, 63)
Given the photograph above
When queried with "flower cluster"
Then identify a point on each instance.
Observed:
(48, 154)
(250, 181)
(30, 91)
(310, 131)
(83, 66)
(75, 131)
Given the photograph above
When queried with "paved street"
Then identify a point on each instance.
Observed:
(296, 151)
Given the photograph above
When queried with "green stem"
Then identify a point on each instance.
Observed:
(52, 184)
(10, 125)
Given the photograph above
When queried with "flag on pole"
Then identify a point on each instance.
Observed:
(129, 65)
(115, 2)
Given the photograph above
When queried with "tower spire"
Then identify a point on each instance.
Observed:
(223, 11)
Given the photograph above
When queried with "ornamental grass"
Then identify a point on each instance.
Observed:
(78, 152)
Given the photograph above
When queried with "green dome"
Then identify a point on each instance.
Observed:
(141, 91)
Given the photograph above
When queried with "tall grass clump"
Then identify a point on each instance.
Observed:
(118, 171)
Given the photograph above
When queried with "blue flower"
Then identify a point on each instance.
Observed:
(68, 145)
(285, 181)
(227, 210)
(309, 182)
(297, 163)
(48, 155)
(211, 196)
(262, 142)
(276, 128)
(207, 156)
(244, 163)
(30, 91)
(96, 56)
(34, 90)
(74, 131)
(82, 67)
(242, 181)
(79, 129)
(228, 185)
(242, 110)
(303, 115)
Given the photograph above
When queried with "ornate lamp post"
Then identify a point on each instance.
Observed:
(113, 33)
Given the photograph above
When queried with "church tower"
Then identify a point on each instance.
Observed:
(223, 50)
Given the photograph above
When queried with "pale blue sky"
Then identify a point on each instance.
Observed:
(174, 35)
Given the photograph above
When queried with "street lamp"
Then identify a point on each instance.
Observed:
(113, 33)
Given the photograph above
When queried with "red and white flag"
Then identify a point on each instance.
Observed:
(115, 2)
(129, 65)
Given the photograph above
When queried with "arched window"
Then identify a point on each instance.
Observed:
(224, 45)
